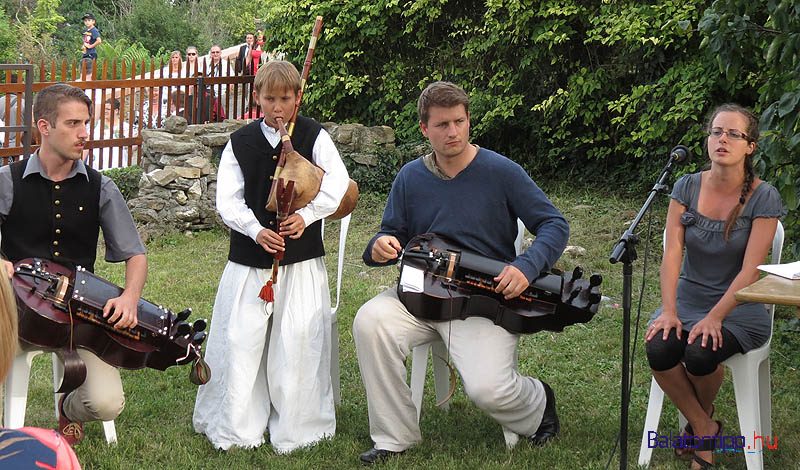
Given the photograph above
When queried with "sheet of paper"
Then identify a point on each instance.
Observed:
(788, 270)
(412, 279)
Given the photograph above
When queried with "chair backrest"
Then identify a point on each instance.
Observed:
(777, 250)
(343, 228)
(777, 243)
(520, 236)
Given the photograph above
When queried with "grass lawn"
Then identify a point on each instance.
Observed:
(582, 364)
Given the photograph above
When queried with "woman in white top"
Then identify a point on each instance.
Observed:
(103, 158)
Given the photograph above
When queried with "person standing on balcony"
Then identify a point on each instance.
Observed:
(192, 70)
(91, 38)
(217, 67)
(244, 61)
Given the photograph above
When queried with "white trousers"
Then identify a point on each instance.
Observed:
(269, 372)
(483, 353)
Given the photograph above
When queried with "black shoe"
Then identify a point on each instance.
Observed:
(550, 425)
(374, 455)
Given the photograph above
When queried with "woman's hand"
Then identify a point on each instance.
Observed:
(666, 322)
(708, 328)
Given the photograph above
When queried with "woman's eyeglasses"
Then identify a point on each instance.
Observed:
(191, 53)
(733, 134)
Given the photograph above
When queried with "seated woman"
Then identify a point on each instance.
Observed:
(26, 447)
(110, 126)
(725, 218)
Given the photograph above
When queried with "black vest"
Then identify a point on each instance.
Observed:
(258, 159)
(59, 221)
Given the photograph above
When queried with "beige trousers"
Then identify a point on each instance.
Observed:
(100, 397)
(483, 353)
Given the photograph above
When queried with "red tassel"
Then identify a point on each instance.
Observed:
(266, 293)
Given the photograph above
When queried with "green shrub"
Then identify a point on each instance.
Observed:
(379, 178)
(595, 92)
(127, 180)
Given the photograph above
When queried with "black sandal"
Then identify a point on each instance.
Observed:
(703, 463)
(706, 445)
(686, 452)
(688, 428)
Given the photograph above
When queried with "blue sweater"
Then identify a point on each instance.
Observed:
(478, 209)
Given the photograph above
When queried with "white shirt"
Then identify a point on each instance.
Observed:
(112, 157)
(230, 185)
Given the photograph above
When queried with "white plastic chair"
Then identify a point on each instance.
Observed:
(16, 397)
(441, 373)
(751, 386)
(335, 372)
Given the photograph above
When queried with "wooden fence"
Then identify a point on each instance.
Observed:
(126, 98)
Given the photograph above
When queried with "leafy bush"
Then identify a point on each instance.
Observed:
(379, 178)
(157, 24)
(594, 91)
(764, 65)
(9, 54)
(126, 179)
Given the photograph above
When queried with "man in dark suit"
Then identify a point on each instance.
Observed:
(244, 64)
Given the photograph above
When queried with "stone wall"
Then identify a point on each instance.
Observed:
(177, 190)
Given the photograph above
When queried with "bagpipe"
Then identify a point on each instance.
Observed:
(297, 180)
(441, 281)
(61, 309)
(294, 167)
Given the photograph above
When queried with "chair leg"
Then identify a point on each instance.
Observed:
(765, 397)
(110, 431)
(441, 373)
(336, 379)
(58, 376)
(419, 364)
(654, 404)
(16, 393)
(510, 437)
(746, 389)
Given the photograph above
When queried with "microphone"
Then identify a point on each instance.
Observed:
(679, 154)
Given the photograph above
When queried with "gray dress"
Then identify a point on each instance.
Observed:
(710, 264)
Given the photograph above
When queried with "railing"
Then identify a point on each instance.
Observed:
(126, 99)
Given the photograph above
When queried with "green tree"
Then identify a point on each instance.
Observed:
(8, 40)
(552, 83)
(35, 30)
(158, 25)
(756, 45)
(587, 90)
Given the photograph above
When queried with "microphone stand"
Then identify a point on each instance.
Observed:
(625, 251)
